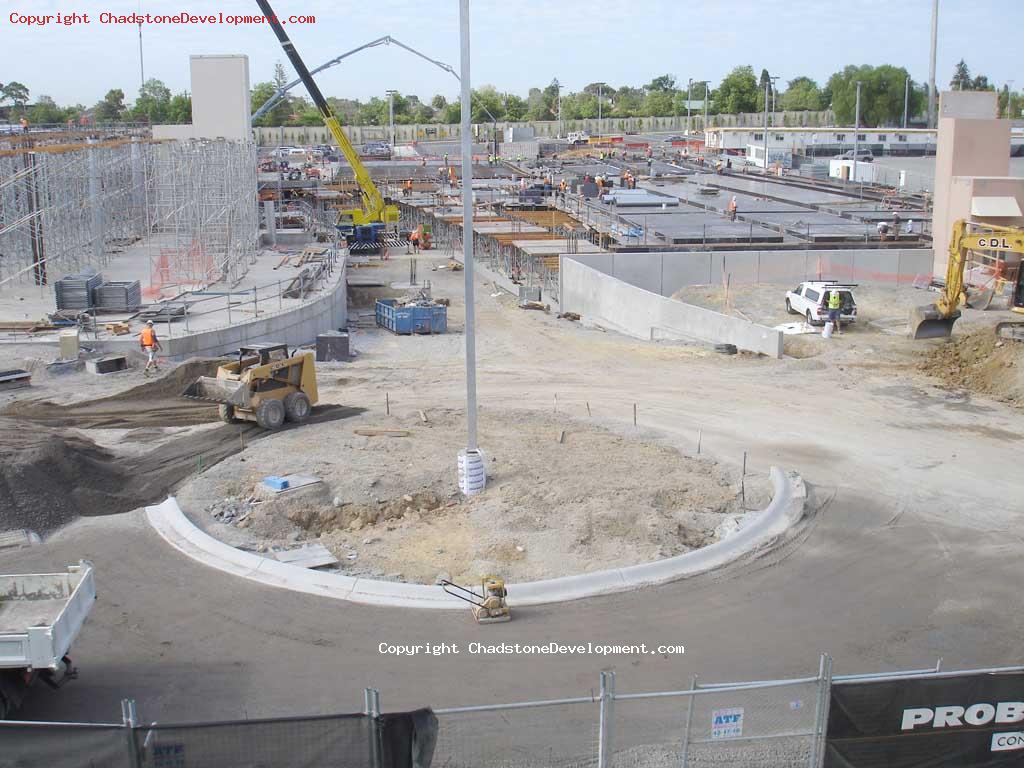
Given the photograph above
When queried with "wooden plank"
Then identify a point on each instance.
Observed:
(308, 556)
(368, 432)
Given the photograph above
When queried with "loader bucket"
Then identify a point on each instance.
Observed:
(218, 391)
(928, 322)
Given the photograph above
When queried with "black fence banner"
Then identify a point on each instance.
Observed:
(974, 721)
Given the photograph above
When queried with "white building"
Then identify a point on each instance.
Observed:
(834, 141)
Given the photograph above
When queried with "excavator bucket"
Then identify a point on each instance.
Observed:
(218, 391)
(928, 322)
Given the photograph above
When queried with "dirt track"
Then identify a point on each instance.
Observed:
(51, 474)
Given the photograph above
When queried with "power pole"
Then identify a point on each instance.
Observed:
(599, 90)
(856, 128)
(767, 84)
(689, 95)
(391, 117)
(932, 96)
(707, 98)
(467, 228)
(906, 102)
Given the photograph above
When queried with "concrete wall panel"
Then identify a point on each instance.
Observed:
(643, 314)
(640, 269)
(220, 97)
(681, 269)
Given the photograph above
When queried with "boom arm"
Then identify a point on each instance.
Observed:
(374, 207)
(1005, 239)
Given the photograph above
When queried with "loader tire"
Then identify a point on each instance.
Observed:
(226, 413)
(270, 414)
(297, 407)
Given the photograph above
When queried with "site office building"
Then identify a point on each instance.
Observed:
(824, 141)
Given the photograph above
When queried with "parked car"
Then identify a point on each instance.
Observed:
(810, 299)
(863, 155)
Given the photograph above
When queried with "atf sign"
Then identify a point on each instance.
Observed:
(727, 723)
(975, 721)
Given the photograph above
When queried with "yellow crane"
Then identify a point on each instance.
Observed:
(934, 321)
(375, 208)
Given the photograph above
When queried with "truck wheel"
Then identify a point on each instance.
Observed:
(226, 413)
(789, 308)
(270, 414)
(810, 318)
(297, 407)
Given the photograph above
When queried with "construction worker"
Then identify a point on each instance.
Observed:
(414, 238)
(451, 177)
(407, 188)
(24, 125)
(150, 344)
(835, 308)
(445, 159)
(732, 208)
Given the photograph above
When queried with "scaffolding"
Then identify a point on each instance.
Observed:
(191, 205)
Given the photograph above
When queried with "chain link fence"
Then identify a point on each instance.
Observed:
(782, 723)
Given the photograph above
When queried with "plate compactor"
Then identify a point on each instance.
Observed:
(489, 605)
(264, 384)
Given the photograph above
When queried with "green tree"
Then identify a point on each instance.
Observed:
(153, 103)
(16, 93)
(961, 77)
(662, 84)
(439, 102)
(882, 90)
(628, 102)
(738, 91)
(111, 108)
(45, 110)
(452, 113)
(658, 103)
(179, 111)
(537, 107)
(487, 103)
(801, 94)
(981, 83)
(515, 107)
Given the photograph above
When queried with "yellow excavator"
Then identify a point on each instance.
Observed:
(935, 321)
(361, 225)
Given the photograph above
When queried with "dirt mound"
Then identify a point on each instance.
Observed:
(155, 403)
(980, 362)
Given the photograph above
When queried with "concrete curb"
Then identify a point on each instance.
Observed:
(785, 510)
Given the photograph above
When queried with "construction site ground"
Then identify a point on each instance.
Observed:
(911, 551)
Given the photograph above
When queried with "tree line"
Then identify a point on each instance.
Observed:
(882, 100)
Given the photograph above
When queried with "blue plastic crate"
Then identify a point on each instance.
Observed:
(276, 483)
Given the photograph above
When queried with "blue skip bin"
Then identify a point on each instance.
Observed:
(411, 319)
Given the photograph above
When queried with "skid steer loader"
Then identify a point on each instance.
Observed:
(264, 384)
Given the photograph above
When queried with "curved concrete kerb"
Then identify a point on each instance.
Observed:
(763, 529)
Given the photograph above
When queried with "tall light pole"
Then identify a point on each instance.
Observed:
(707, 98)
(391, 117)
(558, 90)
(906, 102)
(856, 128)
(467, 228)
(689, 95)
(600, 87)
(1009, 96)
(932, 98)
(767, 83)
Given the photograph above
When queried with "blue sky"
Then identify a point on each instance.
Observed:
(516, 43)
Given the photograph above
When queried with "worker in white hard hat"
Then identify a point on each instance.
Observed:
(150, 344)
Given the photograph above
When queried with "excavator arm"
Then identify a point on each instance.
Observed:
(375, 208)
(936, 320)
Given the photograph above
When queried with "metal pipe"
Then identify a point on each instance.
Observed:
(689, 711)
(906, 101)
(605, 738)
(467, 226)
(766, 84)
(856, 129)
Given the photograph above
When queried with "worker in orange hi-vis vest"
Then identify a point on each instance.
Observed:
(150, 345)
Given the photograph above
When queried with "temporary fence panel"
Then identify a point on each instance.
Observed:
(342, 741)
(551, 736)
(50, 745)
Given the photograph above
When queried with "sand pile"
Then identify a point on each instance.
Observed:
(980, 362)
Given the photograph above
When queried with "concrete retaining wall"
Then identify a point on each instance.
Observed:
(644, 314)
(666, 273)
(294, 326)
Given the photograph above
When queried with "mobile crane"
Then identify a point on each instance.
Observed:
(362, 226)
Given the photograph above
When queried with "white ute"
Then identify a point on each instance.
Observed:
(40, 616)
(811, 300)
